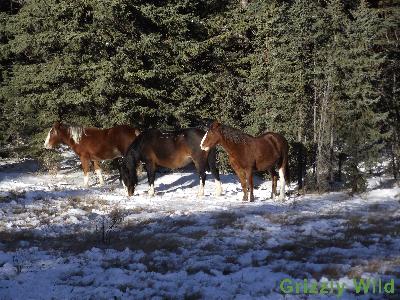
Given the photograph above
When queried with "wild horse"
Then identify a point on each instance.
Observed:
(247, 153)
(172, 150)
(92, 144)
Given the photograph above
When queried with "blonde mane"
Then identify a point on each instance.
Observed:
(76, 133)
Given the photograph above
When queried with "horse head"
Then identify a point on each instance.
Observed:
(128, 171)
(55, 136)
(212, 136)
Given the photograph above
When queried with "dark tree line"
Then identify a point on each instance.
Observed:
(323, 73)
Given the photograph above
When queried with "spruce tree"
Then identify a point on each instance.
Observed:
(359, 117)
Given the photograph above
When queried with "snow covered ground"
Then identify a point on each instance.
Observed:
(60, 240)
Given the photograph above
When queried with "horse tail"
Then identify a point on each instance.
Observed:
(285, 162)
(287, 172)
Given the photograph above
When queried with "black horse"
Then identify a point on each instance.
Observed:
(173, 150)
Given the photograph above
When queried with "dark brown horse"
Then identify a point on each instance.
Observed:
(92, 144)
(247, 153)
(171, 150)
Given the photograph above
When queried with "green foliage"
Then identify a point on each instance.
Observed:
(323, 73)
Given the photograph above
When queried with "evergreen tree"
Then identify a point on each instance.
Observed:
(323, 73)
(362, 136)
(388, 44)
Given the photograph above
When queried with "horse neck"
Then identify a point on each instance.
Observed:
(135, 150)
(66, 138)
(228, 145)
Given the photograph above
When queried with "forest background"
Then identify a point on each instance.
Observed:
(323, 73)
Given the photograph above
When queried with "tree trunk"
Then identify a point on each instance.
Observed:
(331, 157)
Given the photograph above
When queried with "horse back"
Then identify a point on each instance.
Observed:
(102, 144)
(122, 136)
(171, 149)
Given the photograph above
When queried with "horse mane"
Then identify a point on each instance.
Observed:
(76, 132)
(234, 135)
(135, 147)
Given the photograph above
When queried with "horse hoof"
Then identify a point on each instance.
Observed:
(218, 189)
(151, 192)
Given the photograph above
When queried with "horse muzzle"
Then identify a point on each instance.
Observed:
(47, 146)
(204, 148)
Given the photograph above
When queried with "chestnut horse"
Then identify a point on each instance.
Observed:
(92, 144)
(247, 153)
(172, 150)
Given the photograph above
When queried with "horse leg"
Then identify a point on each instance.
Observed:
(282, 182)
(151, 175)
(275, 182)
(212, 164)
(243, 182)
(86, 168)
(250, 184)
(242, 178)
(201, 169)
(97, 169)
(274, 179)
(202, 182)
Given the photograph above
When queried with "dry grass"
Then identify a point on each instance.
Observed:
(231, 260)
(74, 202)
(375, 225)
(125, 287)
(17, 210)
(86, 204)
(139, 210)
(193, 296)
(12, 195)
(225, 219)
(196, 235)
(376, 265)
(277, 218)
(210, 247)
(183, 222)
(158, 242)
(196, 269)
(330, 271)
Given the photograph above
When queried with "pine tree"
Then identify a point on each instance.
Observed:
(388, 44)
(362, 136)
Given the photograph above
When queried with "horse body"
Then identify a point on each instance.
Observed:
(167, 150)
(92, 144)
(98, 148)
(247, 153)
(171, 150)
(272, 143)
